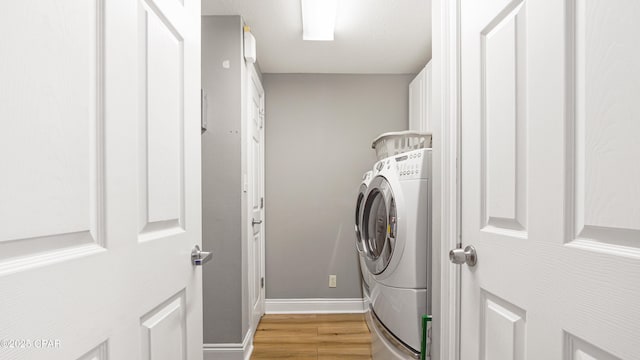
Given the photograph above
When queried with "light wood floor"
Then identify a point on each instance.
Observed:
(317, 337)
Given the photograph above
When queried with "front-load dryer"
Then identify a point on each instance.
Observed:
(396, 224)
(365, 274)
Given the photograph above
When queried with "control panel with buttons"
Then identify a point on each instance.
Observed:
(410, 165)
(414, 164)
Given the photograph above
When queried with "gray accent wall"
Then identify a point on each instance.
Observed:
(318, 137)
(221, 178)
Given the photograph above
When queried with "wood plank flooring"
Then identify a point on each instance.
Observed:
(317, 337)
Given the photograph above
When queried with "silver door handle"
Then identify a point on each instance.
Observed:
(468, 256)
(199, 257)
(255, 222)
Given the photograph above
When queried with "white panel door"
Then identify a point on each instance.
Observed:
(256, 195)
(551, 179)
(100, 184)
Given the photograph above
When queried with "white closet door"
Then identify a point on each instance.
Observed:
(100, 185)
(256, 216)
(550, 174)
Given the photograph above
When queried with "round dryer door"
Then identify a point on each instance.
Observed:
(359, 202)
(379, 224)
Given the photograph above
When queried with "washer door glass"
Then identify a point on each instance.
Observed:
(379, 225)
(359, 202)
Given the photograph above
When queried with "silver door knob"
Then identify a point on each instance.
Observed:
(199, 257)
(255, 222)
(468, 256)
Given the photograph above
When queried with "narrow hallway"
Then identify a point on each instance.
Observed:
(311, 336)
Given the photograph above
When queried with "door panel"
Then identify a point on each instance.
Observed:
(503, 329)
(580, 350)
(504, 150)
(164, 331)
(550, 179)
(99, 353)
(256, 193)
(100, 149)
(67, 121)
(161, 129)
(602, 123)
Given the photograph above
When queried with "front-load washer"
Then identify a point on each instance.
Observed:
(395, 227)
(364, 271)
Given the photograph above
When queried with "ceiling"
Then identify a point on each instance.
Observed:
(371, 36)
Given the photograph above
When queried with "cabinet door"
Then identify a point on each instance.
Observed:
(425, 121)
(420, 101)
(416, 102)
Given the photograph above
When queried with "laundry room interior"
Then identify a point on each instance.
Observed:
(291, 116)
(320, 179)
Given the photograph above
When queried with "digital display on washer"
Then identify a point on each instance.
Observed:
(402, 158)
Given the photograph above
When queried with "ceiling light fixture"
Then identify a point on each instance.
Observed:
(318, 19)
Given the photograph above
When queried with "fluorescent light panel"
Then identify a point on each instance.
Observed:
(318, 19)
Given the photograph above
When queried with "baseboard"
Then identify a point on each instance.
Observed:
(233, 351)
(314, 306)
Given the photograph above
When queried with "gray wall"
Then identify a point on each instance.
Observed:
(221, 176)
(319, 130)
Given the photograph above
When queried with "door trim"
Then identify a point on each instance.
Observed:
(446, 190)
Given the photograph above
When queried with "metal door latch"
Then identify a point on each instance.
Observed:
(199, 257)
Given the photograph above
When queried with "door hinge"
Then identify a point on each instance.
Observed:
(261, 202)
(262, 282)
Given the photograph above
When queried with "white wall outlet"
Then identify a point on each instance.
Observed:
(332, 281)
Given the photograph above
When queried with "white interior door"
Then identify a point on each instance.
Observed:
(256, 195)
(100, 184)
(550, 179)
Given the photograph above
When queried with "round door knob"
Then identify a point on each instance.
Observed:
(460, 256)
(457, 256)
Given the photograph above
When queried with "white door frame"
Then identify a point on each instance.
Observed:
(446, 187)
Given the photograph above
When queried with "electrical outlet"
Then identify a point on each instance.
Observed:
(332, 281)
